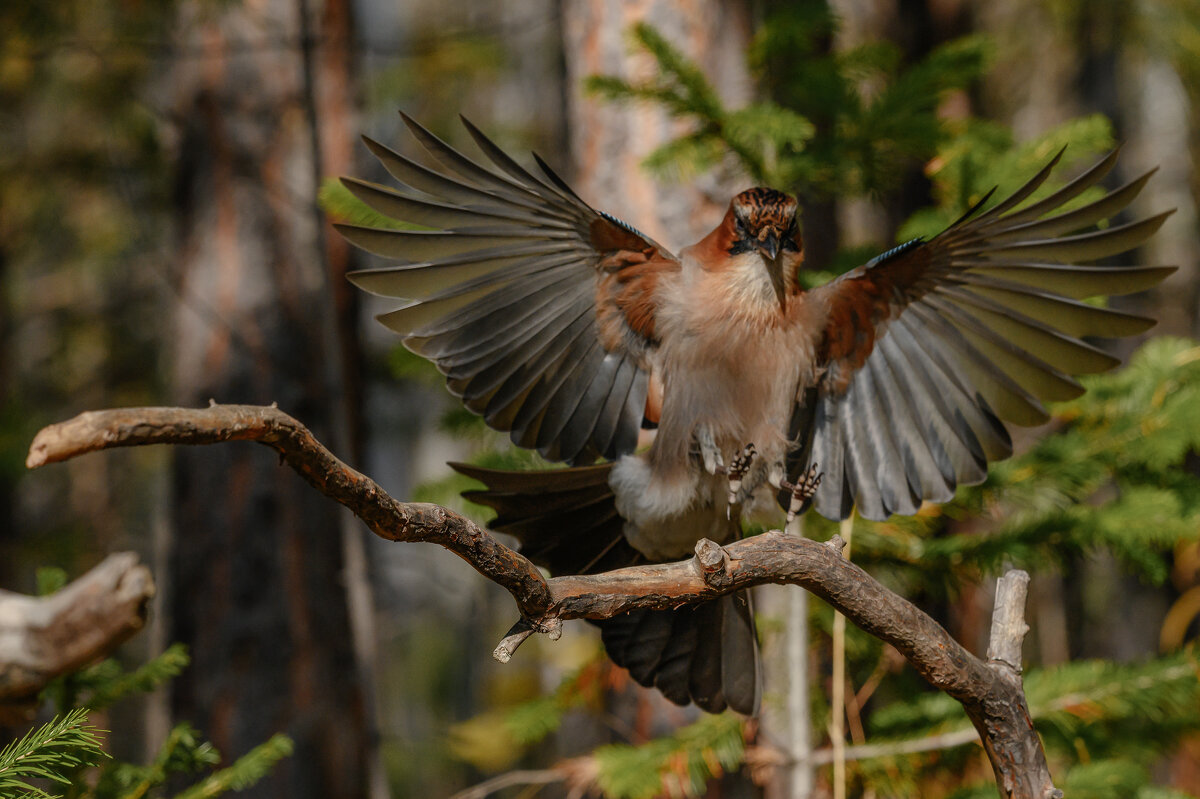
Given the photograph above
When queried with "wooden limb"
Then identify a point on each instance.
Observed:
(387, 518)
(1002, 729)
(44, 637)
(520, 631)
(990, 692)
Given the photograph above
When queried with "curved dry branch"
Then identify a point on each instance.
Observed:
(44, 637)
(990, 691)
(387, 518)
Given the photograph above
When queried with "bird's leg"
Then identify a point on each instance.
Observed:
(802, 490)
(713, 462)
(737, 471)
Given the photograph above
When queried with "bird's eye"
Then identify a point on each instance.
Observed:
(741, 227)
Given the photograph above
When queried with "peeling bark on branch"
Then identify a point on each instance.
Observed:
(990, 691)
(44, 637)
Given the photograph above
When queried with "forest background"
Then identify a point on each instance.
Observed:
(167, 173)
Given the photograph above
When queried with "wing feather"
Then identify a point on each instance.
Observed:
(930, 347)
(1074, 282)
(537, 308)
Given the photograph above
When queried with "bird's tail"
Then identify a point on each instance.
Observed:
(566, 521)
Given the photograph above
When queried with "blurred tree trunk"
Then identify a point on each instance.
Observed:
(609, 141)
(8, 527)
(330, 73)
(258, 586)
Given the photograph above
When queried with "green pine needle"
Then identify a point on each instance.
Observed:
(144, 679)
(244, 772)
(52, 752)
(530, 722)
(679, 764)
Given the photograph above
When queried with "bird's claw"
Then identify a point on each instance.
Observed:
(802, 490)
(737, 471)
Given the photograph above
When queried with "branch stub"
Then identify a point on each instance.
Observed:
(713, 561)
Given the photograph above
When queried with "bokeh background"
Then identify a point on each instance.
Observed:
(166, 185)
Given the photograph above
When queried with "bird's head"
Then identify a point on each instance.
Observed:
(765, 222)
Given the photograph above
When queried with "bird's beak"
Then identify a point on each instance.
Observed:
(775, 270)
(768, 245)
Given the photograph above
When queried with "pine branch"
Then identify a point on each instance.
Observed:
(144, 679)
(245, 771)
(676, 765)
(1066, 702)
(387, 518)
(51, 752)
(182, 752)
(530, 722)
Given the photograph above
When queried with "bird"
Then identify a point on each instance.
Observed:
(882, 389)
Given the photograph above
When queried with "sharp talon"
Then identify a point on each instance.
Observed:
(804, 489)
(737, 470)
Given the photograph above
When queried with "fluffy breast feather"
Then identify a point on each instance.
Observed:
(731, 360)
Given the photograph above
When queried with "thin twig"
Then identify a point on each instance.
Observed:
(515, 636)
(837, 735)
(931, 743)
(509, 779)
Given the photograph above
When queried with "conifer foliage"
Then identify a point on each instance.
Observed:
(67, 753)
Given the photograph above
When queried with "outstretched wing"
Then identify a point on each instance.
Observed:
(931, 346)
(538, 309)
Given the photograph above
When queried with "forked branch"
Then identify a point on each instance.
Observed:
(990, 691)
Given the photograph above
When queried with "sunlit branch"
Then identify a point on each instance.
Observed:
(990, 691)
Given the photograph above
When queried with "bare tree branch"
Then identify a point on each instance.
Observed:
(387, 518)
(510, 778)
(44, 637)
(990, 692)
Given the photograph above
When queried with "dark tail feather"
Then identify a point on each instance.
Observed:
(567, 522)
(706, 653)
(565, 519)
